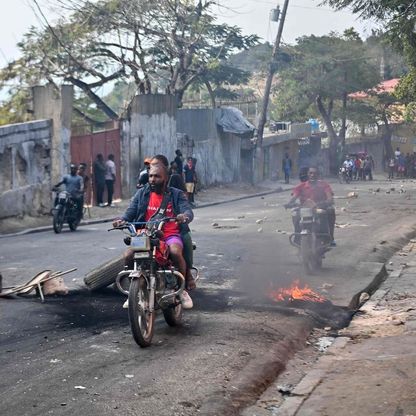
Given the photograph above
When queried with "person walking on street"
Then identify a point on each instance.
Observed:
(110, 178)
(287, 167)
(179, 161)
(99, 170)
(143, 177)
(392, 166)
(367, 166)
(82, 171)
(190, 177)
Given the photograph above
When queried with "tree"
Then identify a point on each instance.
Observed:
(323, 72)
(161, 45)
(398, 18)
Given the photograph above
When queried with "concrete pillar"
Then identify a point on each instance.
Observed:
(57, 106)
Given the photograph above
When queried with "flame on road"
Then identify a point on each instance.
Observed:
(295, 292)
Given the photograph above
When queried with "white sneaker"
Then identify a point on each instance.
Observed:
(186, 300)
(126, 304)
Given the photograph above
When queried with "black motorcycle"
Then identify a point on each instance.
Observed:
(65, 210)
(314, 238)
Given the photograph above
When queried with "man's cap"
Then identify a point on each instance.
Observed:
(73, 166)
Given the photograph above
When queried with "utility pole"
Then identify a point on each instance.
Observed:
(272, 70)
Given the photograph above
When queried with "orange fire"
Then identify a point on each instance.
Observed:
(295, 292)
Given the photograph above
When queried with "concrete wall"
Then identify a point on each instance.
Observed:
(25, 180)
(151, 129)
(56, 106)
(276, 145)
(218, 153)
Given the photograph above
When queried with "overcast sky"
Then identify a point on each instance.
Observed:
(304, 18)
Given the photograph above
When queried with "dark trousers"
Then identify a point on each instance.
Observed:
(287, 175)
(99, 192)
(110, 190)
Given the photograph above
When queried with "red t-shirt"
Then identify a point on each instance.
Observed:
(317, 192)
(170, 228)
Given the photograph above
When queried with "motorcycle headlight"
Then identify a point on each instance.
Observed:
(62, 195)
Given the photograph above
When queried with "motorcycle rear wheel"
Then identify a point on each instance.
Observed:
(173, 315)
(141, 320)
(306, 253)
(73, 224)
(58, 218)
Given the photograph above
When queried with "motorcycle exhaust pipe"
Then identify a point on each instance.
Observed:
(166, 299)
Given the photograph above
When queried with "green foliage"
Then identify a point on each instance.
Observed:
(161, 45)
(327, 66)
(399, 19)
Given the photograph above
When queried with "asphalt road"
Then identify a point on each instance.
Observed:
(75, 354)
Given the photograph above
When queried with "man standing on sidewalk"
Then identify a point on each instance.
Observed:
(99, 171)
(110, 178)
(287, 167)
(190, 179)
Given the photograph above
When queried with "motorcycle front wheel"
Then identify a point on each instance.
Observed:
(141, 319)
(73, 224)
(58, 218)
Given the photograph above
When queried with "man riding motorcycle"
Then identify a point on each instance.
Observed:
(146, 203)
(315, 193)
(74, 185)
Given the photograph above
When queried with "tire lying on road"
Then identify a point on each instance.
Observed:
(105, 274)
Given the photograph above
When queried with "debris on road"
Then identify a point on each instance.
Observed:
(324, 343)
(363, 298)
(38, 282)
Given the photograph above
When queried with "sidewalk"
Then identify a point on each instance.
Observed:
(370, 369)
(213, 195)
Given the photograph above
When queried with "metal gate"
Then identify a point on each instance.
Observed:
(84, 149)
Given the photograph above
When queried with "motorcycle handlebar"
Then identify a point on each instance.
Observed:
(128, 225)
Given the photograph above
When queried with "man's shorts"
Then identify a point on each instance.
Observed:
(174, 239)
(190, 186)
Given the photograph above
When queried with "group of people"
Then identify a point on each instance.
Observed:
(181, 175)
(402, 166)
(104, 177)
(77, 181)
(359, 167)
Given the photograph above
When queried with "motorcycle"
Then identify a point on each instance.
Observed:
(344, 175)
(153, 284)
(314, 239)
(65, 211)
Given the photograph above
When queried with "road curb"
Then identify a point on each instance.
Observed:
(104, 220)
(256, 376)
(313, 378)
